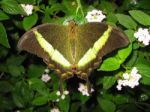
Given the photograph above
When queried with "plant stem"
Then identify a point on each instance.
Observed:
(79, 7)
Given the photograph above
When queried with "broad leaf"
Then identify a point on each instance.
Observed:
(126, 21)
(12, 7)
(130, 34)
(108, 81)
(35, 70)
(3, 16)
(106, 105)
(40, 100)
(140, 17)
(144, 71)
(65, 104)
(37, 85)
(124, 53)
(144, 4)
(3, 36)
(110, 64)
(30, 21)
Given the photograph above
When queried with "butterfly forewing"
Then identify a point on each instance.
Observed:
(87, 35)
(95, 41)
(43, 40)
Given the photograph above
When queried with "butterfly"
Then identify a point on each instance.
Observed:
(73, 49)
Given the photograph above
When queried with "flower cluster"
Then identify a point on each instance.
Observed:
(55, 110)
(130, 80)
(84, 89)
(27, 8)
(62, 96)
(143, 35)
(45, 77)
(95, 16)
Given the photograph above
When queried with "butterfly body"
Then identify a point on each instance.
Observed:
(73, 49)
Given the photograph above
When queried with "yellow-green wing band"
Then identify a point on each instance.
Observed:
(53, 53)
(92, 52)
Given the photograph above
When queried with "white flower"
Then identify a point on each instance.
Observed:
(45, 77)
(134, 2)
(126, 76)
(62, 96)
(130, 80)
(46, 70)
(57, 100)
(66, 92)
(27, 8)
(55, 110)
(119, 87)
(95, 16)
(17, 111)
(143, 35)
(84, 90)
(58, 93)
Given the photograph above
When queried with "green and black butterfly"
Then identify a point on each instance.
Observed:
(73, 49)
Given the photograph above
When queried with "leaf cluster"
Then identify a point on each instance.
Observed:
(20, 85)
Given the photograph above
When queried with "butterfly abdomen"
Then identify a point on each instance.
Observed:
(72, 34)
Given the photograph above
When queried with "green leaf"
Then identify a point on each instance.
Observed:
(68, 7)
(15, 71)
(40, 100)
(126, 21)
(135, 45)
(15, 60)
(106, 105)
(64, 104)
(51, 2)
(141, 59)
(144, 71)
(144, 4)
(30, 21)
(23, 91)
(3, 16)
(83, 98)
(140, 17)
(3, 36)
(4, 51)
(35, 70)
(5, 101)
(18, 100)
(53, 96)
(120, 99)
(130, 34)
(27, 1)
(124, 53)
(5, 87)
(132, 59)
(37, 85)
(107, 6)
(3, 68)
(74, 107)
(12, 7)
(108, 81)
(110, 64)
(55, 8)
(111, 18)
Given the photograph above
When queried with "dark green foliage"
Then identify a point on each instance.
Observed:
(21, 87)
